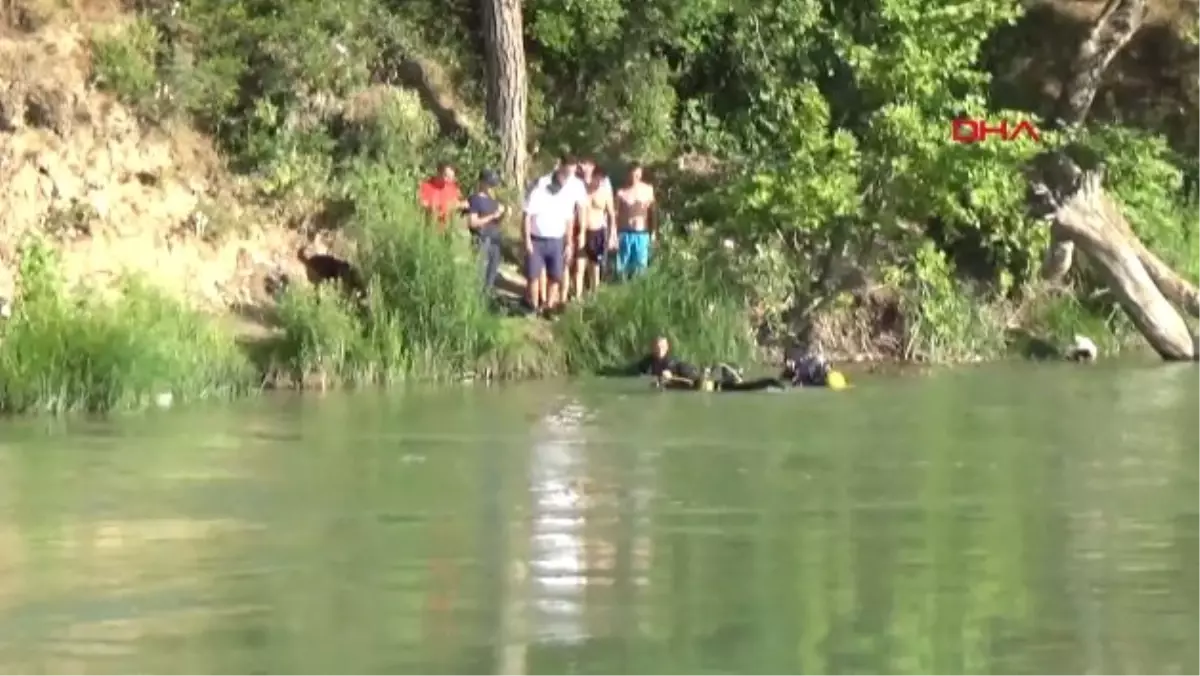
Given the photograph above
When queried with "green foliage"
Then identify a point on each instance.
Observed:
(698, 311)
(1146, 175)
(1058, 316)
(949, 323)
(427, 317)
(321, 333)
(82, 351)
(830, 122)
(124, 62)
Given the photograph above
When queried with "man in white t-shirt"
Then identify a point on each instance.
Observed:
(553, 211)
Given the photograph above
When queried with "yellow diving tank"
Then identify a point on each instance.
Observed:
(836, 381)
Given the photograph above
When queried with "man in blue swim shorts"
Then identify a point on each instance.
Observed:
(637, 224)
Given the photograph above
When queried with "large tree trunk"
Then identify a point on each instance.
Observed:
(1119, 20)
(507, 88)
(1116, 25)
(1085, 217)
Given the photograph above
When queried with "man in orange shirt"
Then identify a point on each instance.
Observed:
(440, 195)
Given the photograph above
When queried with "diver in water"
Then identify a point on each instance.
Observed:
(809, 370)
(663, 365)
(708, 379)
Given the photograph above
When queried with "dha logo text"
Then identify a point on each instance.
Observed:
(967, 130)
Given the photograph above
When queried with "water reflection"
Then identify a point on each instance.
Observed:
(1123, 520)
(558, 475)
(959, 528)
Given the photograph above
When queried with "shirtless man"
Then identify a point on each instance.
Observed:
(598, 233)
(637, 224)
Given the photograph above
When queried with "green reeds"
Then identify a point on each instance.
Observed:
(677, 298)
(427, 317)
(129, 350)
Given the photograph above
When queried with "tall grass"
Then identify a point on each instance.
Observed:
(1059, 315)
(427, 316)
(679, 298)
(81, 351)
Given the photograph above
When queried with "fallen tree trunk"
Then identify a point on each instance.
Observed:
(1084, 216)
(1178, 290)
(1113, 28)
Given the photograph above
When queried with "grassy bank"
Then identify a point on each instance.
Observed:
(429, 320)
(67, 350)
(703, 315)
(847, 211)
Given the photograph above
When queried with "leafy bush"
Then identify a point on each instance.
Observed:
(829, 124)
(124, 62)
(427, 316)
(702, 315)
(64, 352)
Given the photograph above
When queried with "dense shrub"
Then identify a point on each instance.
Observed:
(828, 126)
(82, 351)
(427, 316)
(703, 315)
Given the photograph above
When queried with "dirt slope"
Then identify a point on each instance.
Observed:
(117, 195)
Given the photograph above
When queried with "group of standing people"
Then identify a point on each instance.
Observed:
(576, 229)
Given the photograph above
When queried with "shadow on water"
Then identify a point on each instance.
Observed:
(1014, 519)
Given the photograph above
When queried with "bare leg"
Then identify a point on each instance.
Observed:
(595, 270)
(569, 289)
(552, 297)
(581, 268)
(533, 293)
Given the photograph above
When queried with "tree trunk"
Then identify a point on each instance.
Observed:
(507, 89)
(1059, 256)
(1116, 25)
(1178, 290)
(1083, 215)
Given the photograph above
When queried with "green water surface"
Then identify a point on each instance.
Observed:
(1013, 519)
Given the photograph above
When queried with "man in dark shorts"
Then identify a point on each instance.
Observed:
(552, 211)
(484, 214)
(598, 229)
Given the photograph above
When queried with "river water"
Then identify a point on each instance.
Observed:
(1012, 519)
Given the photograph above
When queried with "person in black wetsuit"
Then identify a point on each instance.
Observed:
(809, 370)
(661, 364)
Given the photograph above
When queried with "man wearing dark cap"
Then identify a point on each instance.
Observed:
(484, 213)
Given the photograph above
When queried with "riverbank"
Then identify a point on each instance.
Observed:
(69, 350)
(171, 164)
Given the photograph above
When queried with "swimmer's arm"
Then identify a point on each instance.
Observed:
(684, 370)
(641, 367)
